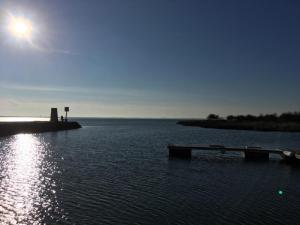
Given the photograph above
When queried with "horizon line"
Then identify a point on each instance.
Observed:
(106, 117)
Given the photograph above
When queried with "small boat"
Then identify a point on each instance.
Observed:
(288, 155)
(297, 155)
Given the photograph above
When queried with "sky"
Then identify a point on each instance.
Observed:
(151, 58)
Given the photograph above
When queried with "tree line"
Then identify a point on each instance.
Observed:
(284, 117)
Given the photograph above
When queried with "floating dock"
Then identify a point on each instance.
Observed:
(248, 152)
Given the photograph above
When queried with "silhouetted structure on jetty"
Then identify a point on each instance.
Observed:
(54, 115)
(10, 128)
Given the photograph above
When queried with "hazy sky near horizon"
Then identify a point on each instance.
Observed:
(152, 58)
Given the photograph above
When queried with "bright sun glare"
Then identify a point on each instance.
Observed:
(20, 27)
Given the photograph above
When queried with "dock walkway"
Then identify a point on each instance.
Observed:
(249, 152)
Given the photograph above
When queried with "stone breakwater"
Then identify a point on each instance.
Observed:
(10, 128)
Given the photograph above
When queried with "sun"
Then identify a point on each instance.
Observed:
(20, 27)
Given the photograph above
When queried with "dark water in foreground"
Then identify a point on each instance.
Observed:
(118, 172)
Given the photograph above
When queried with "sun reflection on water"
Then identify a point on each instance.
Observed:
(26, 188)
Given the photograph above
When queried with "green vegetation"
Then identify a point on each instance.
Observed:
(284, 117)
(213, 117)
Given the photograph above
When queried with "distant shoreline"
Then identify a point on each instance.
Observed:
(243, 125)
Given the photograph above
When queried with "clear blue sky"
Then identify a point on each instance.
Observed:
(152, 58)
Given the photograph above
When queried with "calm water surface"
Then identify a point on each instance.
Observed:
(22, 119)
(115, 171)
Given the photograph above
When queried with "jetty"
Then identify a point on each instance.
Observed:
(11, 128)
(248, 152)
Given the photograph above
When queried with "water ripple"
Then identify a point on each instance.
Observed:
(27, 191)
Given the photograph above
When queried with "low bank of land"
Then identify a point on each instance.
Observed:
(244, 125)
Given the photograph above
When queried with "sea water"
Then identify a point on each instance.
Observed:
(117, 171)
